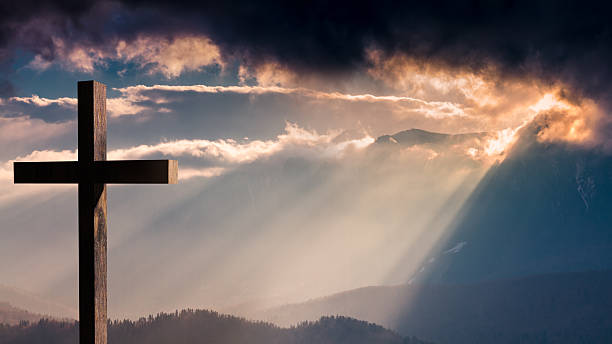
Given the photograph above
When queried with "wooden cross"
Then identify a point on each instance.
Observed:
(92, 172)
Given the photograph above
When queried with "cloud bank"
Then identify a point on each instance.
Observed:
(494, 54)
(206, 158)
(546, 39)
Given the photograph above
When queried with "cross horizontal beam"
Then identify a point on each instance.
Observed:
(46, 172)
(103, 172)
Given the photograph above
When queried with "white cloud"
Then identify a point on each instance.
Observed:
(48, 155)
(229, 151)
(133, 97)
(188, 173)
(10, 192)
(40, 102)
(208, 158)
(123, 106)
(430, 109)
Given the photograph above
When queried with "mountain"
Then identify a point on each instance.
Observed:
(33, 303)
(518, 261)
(546, 208)
(413, 137)
(200, 326)
(10, 315)
(555, 308)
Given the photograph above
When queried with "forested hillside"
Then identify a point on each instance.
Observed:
(200, 326)
(10, 315)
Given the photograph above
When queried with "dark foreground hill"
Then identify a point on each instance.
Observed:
(209, 327)
(556, 308)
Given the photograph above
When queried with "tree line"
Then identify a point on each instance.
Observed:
(202, 326)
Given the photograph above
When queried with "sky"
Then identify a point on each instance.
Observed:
(272, 110)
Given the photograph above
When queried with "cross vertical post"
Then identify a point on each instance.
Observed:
(92, 172)
(92, 213)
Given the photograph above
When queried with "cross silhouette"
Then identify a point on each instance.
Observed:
(92, 172)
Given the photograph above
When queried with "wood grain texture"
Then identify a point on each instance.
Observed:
(92, 121)
(92, 214)
(172, 171)
(92, 263)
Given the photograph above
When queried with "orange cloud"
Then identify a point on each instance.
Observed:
(501, 105)
(169, 57)
(267, 74)
(75, 58)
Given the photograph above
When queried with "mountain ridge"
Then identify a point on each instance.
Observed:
(415, 136)
(10, 315)
(532, 309)
(546, 208)
(34, 303)
(192, 326)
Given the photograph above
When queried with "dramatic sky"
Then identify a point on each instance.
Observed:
(272, 110)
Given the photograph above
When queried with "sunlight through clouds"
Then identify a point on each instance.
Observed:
(223, 154)
(401, 163)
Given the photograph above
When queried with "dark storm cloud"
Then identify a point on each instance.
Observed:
(15, 16)
(551, 40)
(547, 38)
